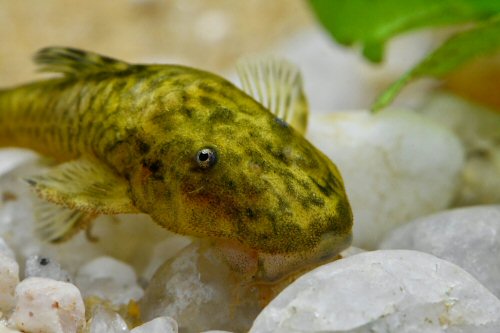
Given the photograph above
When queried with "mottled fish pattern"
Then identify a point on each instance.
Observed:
(199, 155)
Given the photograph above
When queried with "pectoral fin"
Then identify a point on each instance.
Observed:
(83, 189)
(57, 223)
(276, 84)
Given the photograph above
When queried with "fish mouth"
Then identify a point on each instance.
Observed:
(268, 268)
(275, 267)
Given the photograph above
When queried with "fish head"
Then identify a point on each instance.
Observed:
(229, 170)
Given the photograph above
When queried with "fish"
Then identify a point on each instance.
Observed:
(199, 155)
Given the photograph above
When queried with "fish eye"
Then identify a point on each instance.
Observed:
(206, 158)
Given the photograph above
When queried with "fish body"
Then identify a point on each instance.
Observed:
(187, 147)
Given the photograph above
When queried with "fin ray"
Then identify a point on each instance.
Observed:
(55, 223)
(73, 194)
(276, 84)
(84, 185)
(75, 62)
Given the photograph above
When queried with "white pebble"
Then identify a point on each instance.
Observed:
(197, 289)
(9, 277)
(46, 305)
(478, 128)
(5, 329)
(396, 166)
(110, 279)
(12, 157)
(468, 237)
(157, 325)
(106, 321)
(46, 267)
(383, 291)
(5, 249)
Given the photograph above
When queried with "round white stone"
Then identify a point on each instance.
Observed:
(198, 290)
(106, 321)
(5, 249)
(383, 291)
(46, 305)
(9, 277)
(46, 267)
(468, 237)
(5, 329)
(110, 279)
(396, 166)
(477, 127)
(157, 325)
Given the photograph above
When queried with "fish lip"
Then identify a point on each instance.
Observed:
(274, 268)
(271, 268)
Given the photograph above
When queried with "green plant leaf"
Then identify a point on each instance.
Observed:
(481, 40)
(373, 22)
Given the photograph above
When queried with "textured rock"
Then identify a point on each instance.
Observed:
(383, 291)
(5, 329)
(163, 251)
(106, 321)
(9, 277)
(129, 238)
(157, 325)
(396, 166)
(468, 237)
(45, 305)
(6, 250)
(197, 289)
(12, 158)
(478, 128)
(109, 279)
(43, 266)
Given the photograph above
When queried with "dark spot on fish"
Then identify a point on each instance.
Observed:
(143, 147)
(178, 82)
(119, 85)
(317, 201)
(208, 102)
(250, 213)
(326, 188)
(221, 114)
(228, 183)
(189, 111)
(155, 168)
(205, 87)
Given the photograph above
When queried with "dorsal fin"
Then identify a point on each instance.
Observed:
(276, 84)
(75, 62)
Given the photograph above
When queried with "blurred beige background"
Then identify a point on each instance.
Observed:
(209, 34)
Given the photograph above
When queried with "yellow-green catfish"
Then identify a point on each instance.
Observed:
(200, 156)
